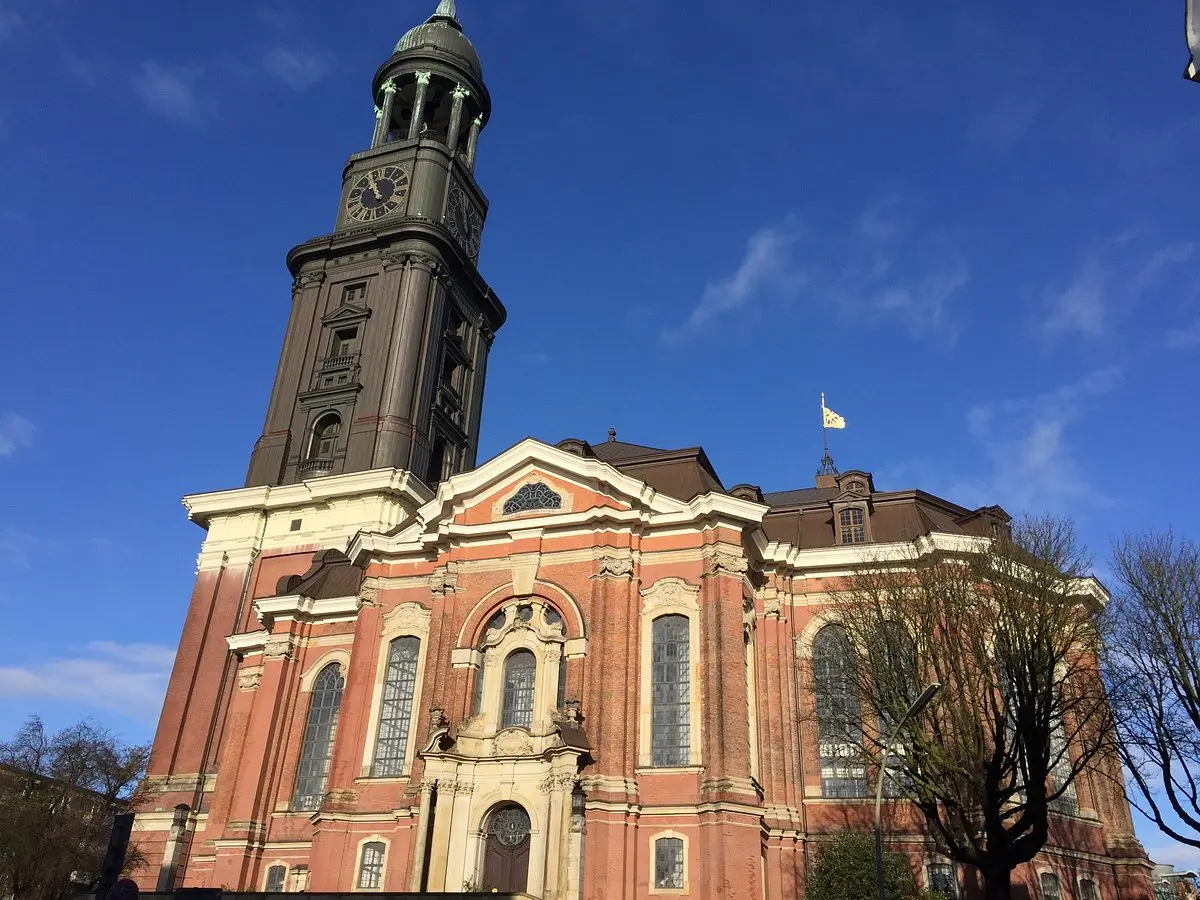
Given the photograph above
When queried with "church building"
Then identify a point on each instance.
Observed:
(575, 670)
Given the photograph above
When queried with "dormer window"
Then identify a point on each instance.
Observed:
(851, 526)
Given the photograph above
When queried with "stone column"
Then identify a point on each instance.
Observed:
(460, 94)
(394, 447)
(473, 140)
(414, 880)
(389, 107)
(377, 134)
(418, 116)
(171, 853)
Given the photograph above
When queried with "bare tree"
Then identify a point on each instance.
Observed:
(1153, 673)
(1007, 627)
(58, 794)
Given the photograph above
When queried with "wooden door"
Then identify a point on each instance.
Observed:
(506, 857)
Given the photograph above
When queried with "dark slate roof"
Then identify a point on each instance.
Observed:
(617, 451)
(799, 496)
(332, 574)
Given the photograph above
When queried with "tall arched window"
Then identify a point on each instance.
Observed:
(1051, 889)
(275, 878)
(670, 692)
(370, 866)
(324, 436)
(395, 712)
(520, 669)
(839, 714)
(319, 733)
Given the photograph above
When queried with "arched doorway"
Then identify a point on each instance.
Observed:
(506, 853)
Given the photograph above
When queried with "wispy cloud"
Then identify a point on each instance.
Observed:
(16, 433)
(126, 678)
(1184, 338)
(1026, 442)
(1111, 277)
(170, 91)
(767, 263)
(880, 269)
(10, 22)
(298, 69)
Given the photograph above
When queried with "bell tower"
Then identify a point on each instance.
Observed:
(385, 353)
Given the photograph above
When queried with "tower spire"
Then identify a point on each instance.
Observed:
(446, 9)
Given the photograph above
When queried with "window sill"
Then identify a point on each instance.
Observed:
(667, 770)
(383, 779)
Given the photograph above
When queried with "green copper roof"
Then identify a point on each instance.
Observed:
(443, 32)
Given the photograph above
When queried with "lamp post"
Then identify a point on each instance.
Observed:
(919, 704)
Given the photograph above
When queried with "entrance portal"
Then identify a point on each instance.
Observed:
(506, 857)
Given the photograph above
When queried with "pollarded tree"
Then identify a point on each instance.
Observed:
(1007, 627)
(1153, 674)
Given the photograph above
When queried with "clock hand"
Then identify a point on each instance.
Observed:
(374, 186)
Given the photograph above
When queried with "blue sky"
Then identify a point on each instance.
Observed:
(971, 225)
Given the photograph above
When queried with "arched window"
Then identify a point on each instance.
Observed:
(395, 712)
(275, 877)
(319, 733)
(1051, 890)
(851, 529)
(520, 670)
(370, 866)
(1088, 889)
(668, 863)
(670, 692)
(839, 714)
(532, 496)
(324, 436)
(943, 880)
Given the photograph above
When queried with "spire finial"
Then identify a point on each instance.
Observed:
(612, 435)
(446, 8)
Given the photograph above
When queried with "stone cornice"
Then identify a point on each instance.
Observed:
(305, 609)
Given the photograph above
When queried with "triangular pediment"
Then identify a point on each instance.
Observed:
(347, 312)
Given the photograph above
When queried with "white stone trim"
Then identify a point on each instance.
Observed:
(668, 596)
(358, 861)
(248, 643)
(406, 620)
(677, 835)
(341, 657)
(305, 609)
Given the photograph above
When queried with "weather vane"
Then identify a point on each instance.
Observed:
(830, 419)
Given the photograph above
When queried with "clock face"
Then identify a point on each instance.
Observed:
(377, 193)
(464, 221)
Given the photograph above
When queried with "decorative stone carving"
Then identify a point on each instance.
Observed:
(281, 646)
(306, 280)
(249, 678)
(392, 259)
(368, 593)
(747, 616)
(389, 86)
(671, 592)
(721, 563)
(461, 787)
(614, 567)
(437, 720)
(460, 92)
(407, 617)
(562, 781)
(772, 604)
(443, 581)
(423, 77)
(512, 742)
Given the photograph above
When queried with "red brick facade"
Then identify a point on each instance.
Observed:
(613, 556)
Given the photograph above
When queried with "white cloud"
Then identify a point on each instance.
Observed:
(767, 263)
(1081, 306)
(298, 69)
(1184, 338)
(170, 92)
(876, 270)
(1026, 442)
(16, 433)
(1183, 857)
(125, 678)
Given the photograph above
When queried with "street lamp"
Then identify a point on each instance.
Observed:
(919, 704)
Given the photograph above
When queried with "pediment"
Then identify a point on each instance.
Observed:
(347, 312)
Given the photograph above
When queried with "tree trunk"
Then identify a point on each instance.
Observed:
(997, 884)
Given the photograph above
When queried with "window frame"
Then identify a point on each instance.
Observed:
(409, 619)
(858, 530)
(1043, 874)
(652, 879)
(507, 717)
(669, 596)
(323, 666)
(658, 635)
(314, 439)
(402, 722)
(942, 862)
(360, 863)
(277, 864)
(849, 762)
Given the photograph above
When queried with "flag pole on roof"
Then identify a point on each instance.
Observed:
(830, 419)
